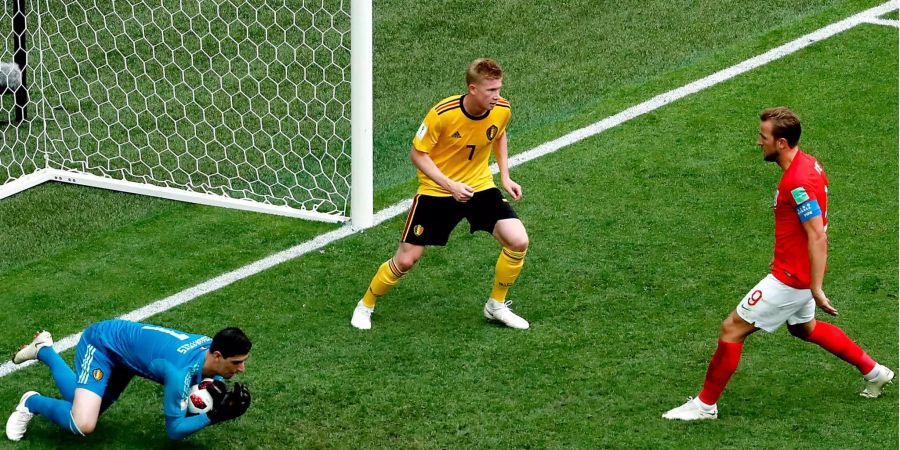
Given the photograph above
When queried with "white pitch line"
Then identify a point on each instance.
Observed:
(701, 84)
(888, 22)
(544, 149)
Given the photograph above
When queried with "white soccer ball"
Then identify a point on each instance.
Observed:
(200, 400)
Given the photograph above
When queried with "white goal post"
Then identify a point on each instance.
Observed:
(255, 105)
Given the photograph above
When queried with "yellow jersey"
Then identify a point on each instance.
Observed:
(460, 144)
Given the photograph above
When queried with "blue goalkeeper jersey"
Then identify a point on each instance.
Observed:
(169, 357)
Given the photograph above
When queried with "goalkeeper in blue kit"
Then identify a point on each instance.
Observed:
(111, 353)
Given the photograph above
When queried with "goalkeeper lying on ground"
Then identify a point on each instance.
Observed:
(110, 353)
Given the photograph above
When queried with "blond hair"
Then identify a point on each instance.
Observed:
(483, 69)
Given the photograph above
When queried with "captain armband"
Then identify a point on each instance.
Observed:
(808, 209)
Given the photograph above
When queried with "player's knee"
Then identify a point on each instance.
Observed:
(406, 261)
(725, 328)
(519, 244)
(86, 425)
(729, 329)
(83, 422)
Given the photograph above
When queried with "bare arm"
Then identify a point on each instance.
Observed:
(501, 153)
(817, 246)
(460, 191)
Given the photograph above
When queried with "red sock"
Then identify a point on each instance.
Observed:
(722, 365)
(834, 340)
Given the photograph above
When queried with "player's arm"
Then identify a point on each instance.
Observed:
(817, 247)
(425, 140)
(178, 424)
(501, 154)
(178, 428)
(460, 191)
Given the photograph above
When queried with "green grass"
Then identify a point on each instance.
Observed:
(643, 239)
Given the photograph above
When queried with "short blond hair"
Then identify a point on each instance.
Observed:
(483, 69)
(785, 124)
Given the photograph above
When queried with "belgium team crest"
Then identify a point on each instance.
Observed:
(418, 230)
(97, 374)
(492, 132)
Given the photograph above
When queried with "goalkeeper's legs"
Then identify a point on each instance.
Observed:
(79, 417)
(62, 373)
(41, 348)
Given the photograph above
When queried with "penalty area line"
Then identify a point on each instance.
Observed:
(546, 148)
(887, 22)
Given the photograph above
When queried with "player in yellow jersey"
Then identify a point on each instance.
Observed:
(451, 151)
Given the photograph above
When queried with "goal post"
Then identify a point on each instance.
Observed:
(361, 106)
(261, 106)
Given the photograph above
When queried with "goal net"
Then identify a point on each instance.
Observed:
(235, 103)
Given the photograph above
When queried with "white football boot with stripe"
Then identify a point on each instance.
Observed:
(30, 350)
(362, 316)
(874, 386)
(500, 312)
(692, 410)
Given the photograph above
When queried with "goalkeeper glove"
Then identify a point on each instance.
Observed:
(231, 405)
(217, 390)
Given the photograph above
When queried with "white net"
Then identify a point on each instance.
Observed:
(18, 149)
(244, 99)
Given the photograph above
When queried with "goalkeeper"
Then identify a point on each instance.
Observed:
(111, 353)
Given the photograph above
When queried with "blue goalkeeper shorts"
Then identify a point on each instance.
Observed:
(96, 372)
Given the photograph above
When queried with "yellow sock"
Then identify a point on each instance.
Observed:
(387, 276)
(509, 264)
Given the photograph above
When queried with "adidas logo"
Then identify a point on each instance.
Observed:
(456, 135)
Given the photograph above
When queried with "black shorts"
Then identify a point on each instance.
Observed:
(432, 219)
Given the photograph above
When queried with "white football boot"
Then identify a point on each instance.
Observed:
(692, 410)
(362, 316)
(29, 351)
(873, 387)
(500, 312)
(18, 420)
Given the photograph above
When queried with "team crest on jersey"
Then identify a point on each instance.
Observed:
(97, 374)
(418, 230)
(492, 132)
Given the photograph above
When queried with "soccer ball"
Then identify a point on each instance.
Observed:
(200, 400)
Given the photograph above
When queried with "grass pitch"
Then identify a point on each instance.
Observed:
(643, 238)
